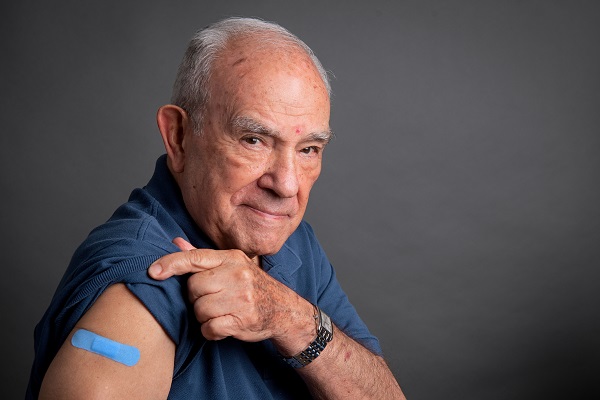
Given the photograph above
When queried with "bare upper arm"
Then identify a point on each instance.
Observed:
(118, 315)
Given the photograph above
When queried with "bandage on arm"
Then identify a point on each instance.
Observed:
(117, 319)
(118, 352)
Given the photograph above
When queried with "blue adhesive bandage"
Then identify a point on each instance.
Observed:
(116, 351)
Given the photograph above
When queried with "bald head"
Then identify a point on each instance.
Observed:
(192, 88)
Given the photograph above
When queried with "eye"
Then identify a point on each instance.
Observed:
(311, 150)
(253, 140)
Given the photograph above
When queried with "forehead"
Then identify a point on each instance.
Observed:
(260, 75)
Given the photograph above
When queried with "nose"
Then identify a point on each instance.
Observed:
(281, 174)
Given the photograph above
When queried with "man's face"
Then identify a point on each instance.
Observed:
(247, 177)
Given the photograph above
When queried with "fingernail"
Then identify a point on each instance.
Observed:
(155, 269)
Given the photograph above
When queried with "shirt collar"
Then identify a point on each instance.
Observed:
(165, 190)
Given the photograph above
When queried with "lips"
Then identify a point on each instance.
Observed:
(270, 212)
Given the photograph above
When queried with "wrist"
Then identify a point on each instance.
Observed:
(324, 334)
(299, 332)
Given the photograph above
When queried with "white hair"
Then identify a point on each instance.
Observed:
(191, 87)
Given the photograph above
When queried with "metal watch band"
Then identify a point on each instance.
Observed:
(324, 336)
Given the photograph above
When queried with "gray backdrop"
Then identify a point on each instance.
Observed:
(459, 202)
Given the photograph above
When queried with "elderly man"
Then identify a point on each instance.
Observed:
(207, 283)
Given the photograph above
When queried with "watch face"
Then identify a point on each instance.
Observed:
(326, 322)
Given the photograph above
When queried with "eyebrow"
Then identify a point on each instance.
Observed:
(249, 124)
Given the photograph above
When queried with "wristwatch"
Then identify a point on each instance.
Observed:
(324, 336)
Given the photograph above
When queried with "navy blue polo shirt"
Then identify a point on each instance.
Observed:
(140, 232)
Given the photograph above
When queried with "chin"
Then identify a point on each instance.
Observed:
(262, 246)
(256, 240)
(262, 250)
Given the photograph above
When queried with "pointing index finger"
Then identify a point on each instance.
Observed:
(184, 262)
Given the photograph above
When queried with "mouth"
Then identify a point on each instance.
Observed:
(270, 214)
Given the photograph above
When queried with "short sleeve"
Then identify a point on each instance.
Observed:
(336, 304)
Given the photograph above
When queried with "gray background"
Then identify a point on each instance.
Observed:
(459, 202)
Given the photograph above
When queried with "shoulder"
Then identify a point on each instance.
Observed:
(142, 219)
(328, 293)
(139, 232)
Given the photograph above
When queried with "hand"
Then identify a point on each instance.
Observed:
(232, 296)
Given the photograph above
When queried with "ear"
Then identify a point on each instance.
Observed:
(173, 123)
